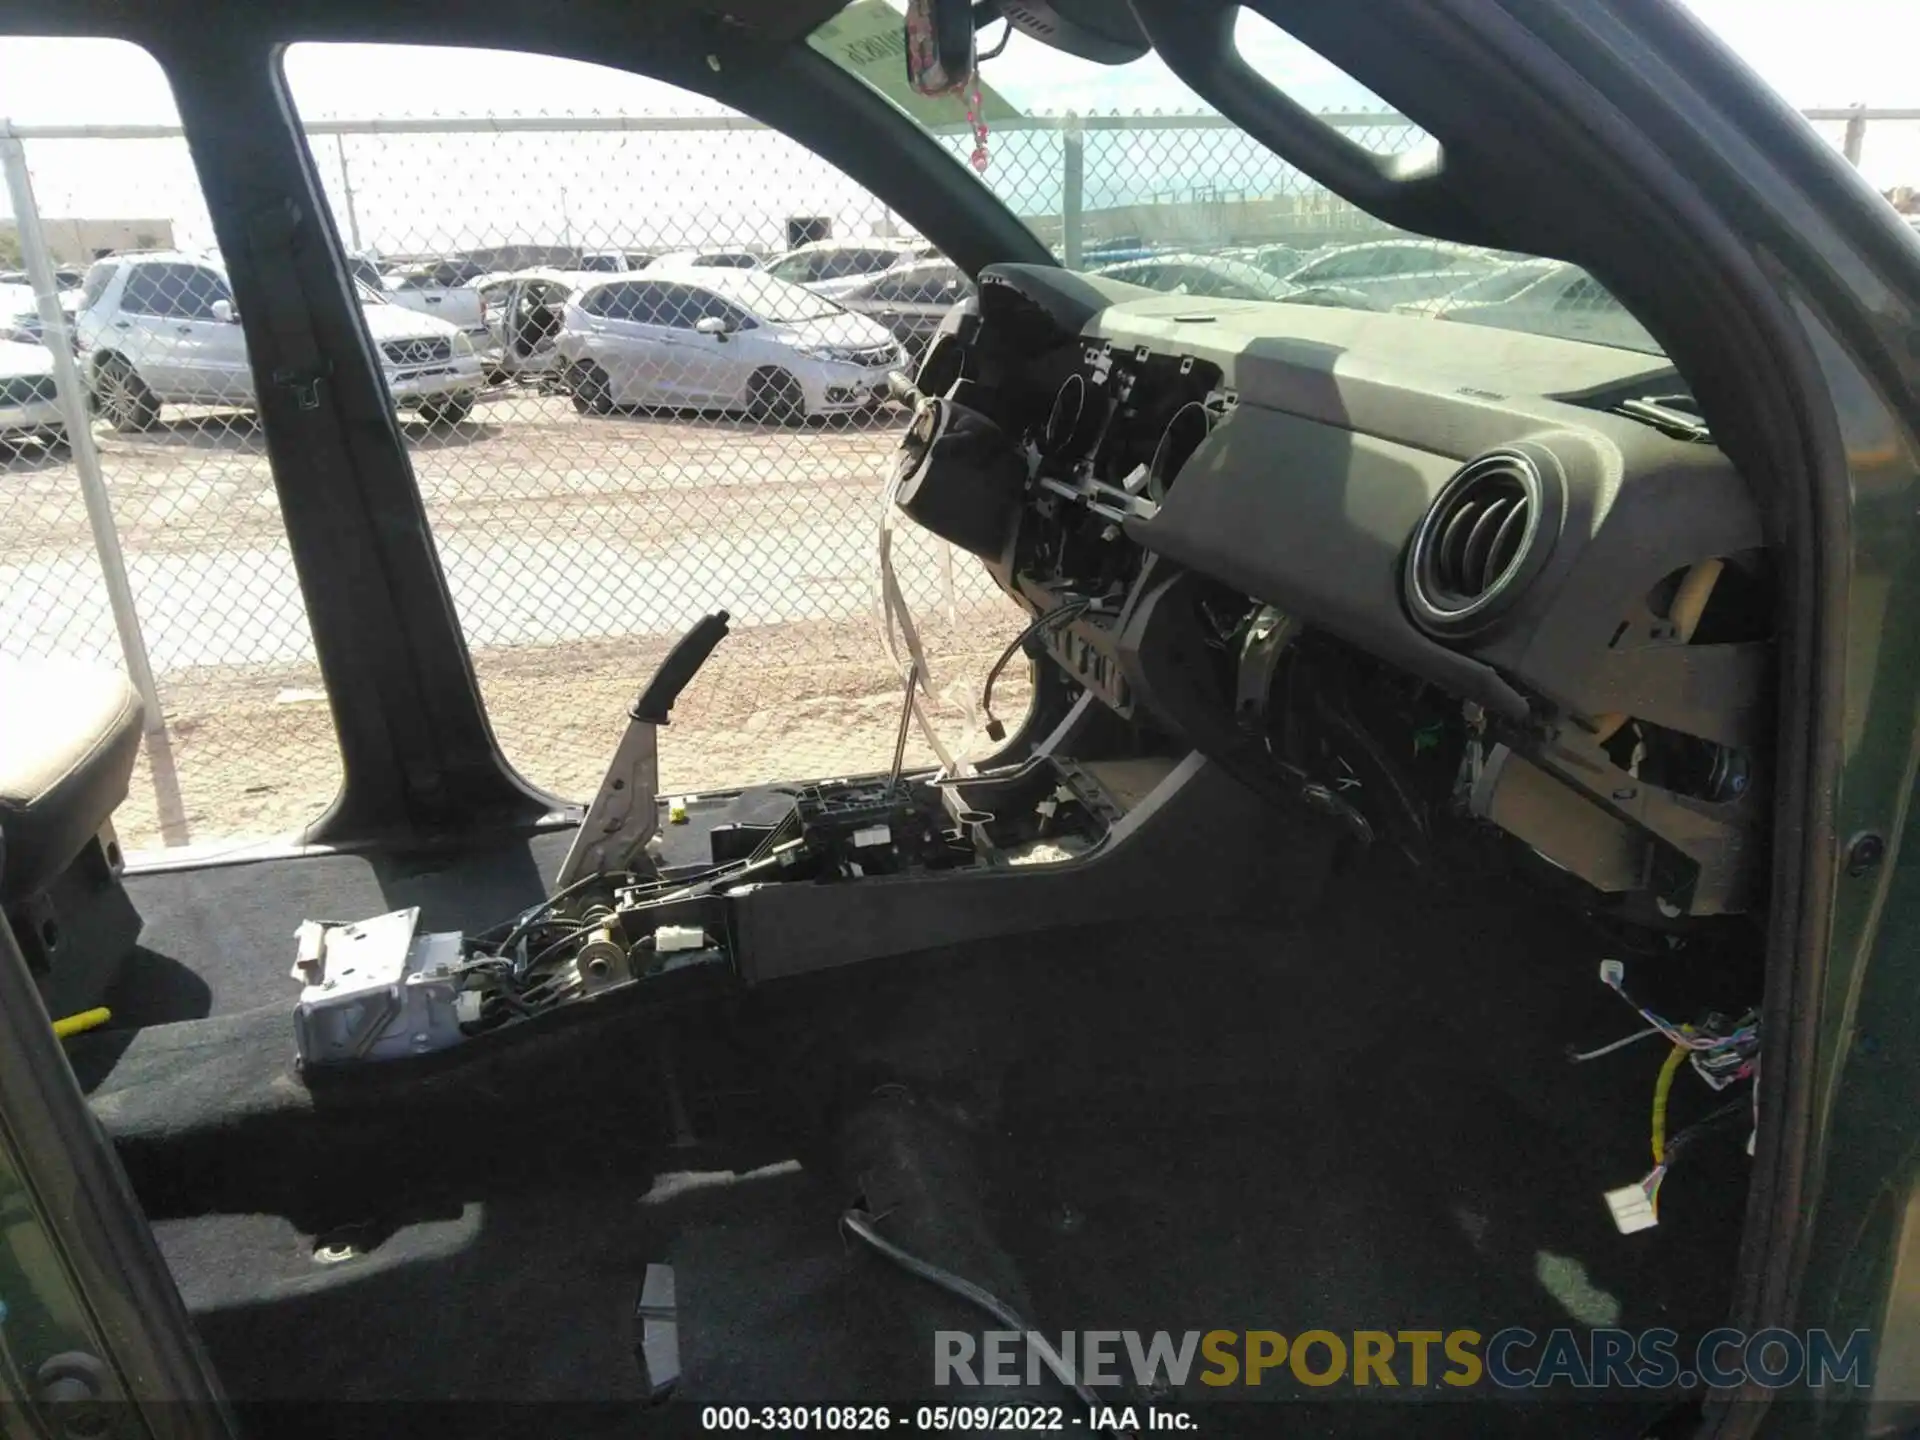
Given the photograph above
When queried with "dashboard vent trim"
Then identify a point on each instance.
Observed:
(1481, 542)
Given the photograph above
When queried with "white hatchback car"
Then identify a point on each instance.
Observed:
(718, 339)
(160, 328)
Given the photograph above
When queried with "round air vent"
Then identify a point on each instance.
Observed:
(1184, 434)
(1483, 539)
(1064, 420)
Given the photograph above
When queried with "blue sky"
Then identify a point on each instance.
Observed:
(1834, 53)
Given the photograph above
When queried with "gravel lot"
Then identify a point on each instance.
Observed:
(577, 548)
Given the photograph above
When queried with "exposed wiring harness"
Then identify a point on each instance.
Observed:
(861, 1225)
(897, 628)
(1662, 1091)
(1722, 1052)
(523, 964)
(1665, 1150)
(1059, 615)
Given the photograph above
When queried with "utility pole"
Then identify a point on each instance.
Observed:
(1073, 180)
(1855, 140)
(346, 190)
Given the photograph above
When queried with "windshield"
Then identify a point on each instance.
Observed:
(1124, 170)
(795, 268)
(807, 267)
(769, 297)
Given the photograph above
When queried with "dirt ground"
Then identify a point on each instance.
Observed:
(578, 548)
(251, 757)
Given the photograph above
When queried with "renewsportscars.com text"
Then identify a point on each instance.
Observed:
(1510, 1359)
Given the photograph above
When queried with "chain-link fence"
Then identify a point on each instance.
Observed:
(641, 364)
(1884, 145)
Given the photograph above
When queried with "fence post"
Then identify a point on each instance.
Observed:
(57, 337)
(346, 191)
(1856, 136)
(1073, 178)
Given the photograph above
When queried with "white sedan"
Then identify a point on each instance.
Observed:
(719, 339)
(29, 403)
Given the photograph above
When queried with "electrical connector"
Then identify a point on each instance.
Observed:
(1632, 1209)
(667, 939)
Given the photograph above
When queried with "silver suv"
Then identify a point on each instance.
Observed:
(159, 328)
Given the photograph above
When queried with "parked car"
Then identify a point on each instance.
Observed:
(723, 259)
(524, 314)
(29, 403)
(63, 278)
(911, 300)
(20, 312)
(1280, 260)
(366, 269)
(1496, 285)
(615, 262)
(1115, 250)
(444, 291)
(834, 267)
(722, 339)
(160, 328)
(1211, 275)
(1565, 302)
(1379, 274)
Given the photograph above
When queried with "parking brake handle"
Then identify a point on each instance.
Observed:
(683, 662)
(624, 814)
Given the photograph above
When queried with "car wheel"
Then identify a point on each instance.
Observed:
(444, 414)
(592, 391)
(124, 398)
(775, 398)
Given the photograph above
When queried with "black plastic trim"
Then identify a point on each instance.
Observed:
(85, 1204)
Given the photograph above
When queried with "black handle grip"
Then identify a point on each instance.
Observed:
(683, 662)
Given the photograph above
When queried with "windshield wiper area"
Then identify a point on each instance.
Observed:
(1676, 415)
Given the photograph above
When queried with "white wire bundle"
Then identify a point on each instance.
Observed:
(897, 627)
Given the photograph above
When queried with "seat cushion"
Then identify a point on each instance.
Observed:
(68, 737)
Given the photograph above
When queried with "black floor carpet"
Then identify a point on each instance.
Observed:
(517, 1312)
(1364, 1121)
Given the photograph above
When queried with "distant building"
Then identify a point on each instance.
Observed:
(77, 242)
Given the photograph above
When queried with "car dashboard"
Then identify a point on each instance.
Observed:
(1410, 573)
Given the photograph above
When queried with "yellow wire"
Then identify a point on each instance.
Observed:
(1661, 1089)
